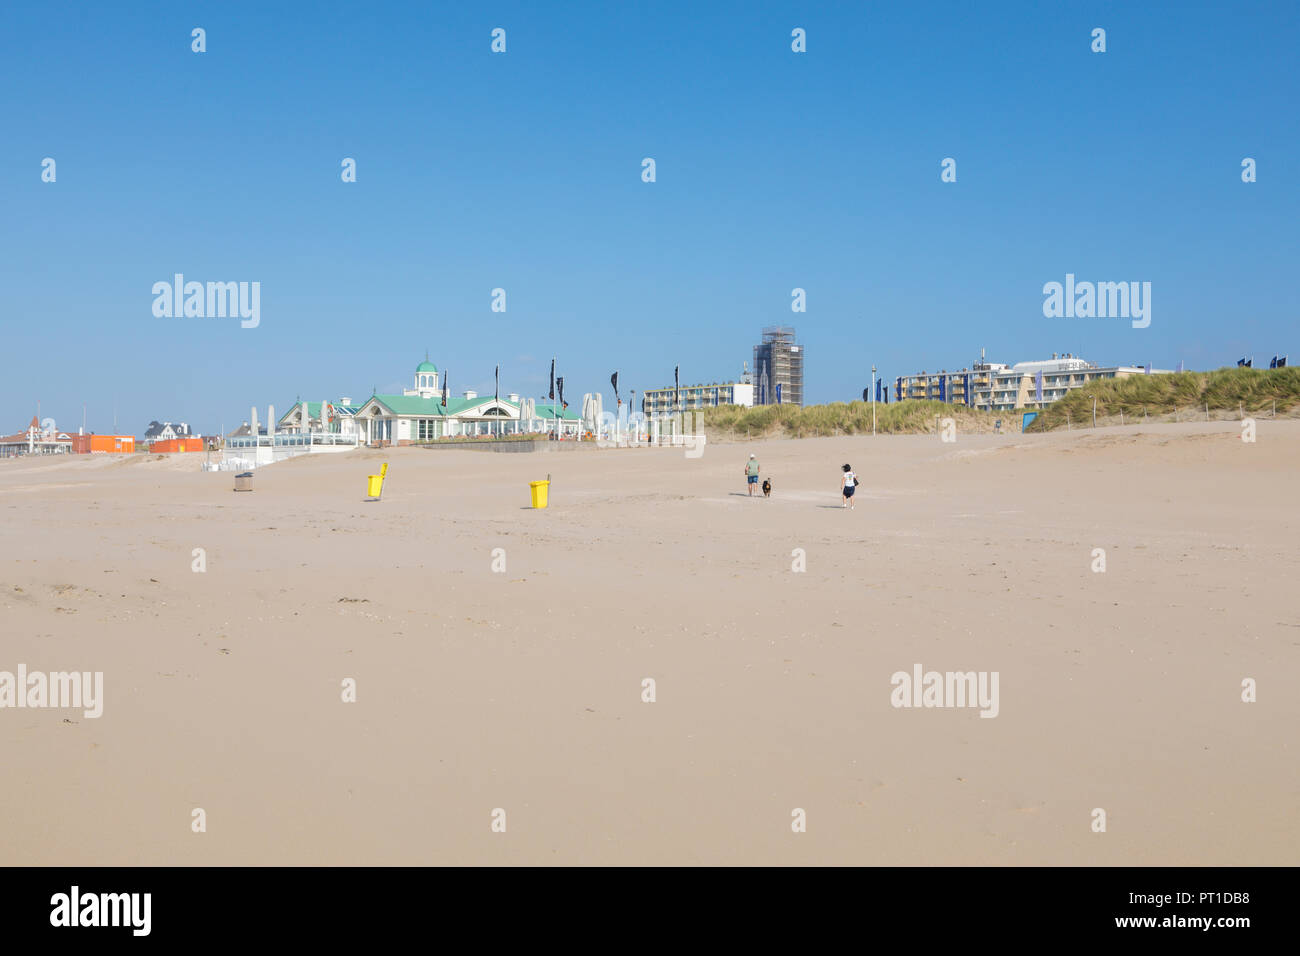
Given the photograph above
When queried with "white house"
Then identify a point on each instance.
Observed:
(418, 414)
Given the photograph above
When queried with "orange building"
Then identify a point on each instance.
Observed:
(118, 444)
(178, 444)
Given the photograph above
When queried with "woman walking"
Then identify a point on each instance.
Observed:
(848, 484)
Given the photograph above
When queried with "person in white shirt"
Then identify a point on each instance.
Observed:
(848, 484)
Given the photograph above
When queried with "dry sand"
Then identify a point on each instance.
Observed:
(522, 691)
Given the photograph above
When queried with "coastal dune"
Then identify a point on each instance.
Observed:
(499, 655)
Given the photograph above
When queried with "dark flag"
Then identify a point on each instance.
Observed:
(677, 383)
(551, 395)
(559, 383)
(613, 380)
(778, 393)
(1245, 363)
(865, 393)
(496, 393)
(444, 388)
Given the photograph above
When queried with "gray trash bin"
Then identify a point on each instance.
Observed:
(244, 482)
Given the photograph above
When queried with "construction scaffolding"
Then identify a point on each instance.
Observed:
(778, 361)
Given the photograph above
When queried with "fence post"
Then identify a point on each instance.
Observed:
(1094, 413)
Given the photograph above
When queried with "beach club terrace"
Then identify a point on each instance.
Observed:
(418, 415)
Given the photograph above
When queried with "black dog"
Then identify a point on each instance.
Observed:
(767, 487)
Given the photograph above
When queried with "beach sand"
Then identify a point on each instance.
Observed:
(522, 690)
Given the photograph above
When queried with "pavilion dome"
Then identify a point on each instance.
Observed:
(426, 366)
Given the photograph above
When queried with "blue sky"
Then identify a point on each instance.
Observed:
(522, 171)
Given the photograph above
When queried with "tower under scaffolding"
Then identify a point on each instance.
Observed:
(778, 361)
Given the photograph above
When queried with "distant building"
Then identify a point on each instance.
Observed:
(172, 445)
(778, 368)
(246, 431)
(994, 387)
(655, 401)
(167, 431)
(111, 444)
(35, 441)
(339, 418)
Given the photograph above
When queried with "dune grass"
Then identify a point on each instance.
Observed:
(1228, 392)
(736, 422)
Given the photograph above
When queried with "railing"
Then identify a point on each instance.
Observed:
(292, 440)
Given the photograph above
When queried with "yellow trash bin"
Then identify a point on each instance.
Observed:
(375, 483)
(539, 490)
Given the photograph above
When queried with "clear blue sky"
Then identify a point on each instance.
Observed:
(775, 170)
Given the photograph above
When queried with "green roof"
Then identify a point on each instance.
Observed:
(426, 366)
(432, 407)
(548, 411)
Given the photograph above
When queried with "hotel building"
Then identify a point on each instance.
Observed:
(661, 401)
(995, 387)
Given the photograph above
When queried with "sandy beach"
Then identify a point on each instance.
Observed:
(522, 690)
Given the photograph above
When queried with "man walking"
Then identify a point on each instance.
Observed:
(751, 474)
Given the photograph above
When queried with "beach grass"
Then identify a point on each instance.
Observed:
(737, 422)
(1224, 392)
